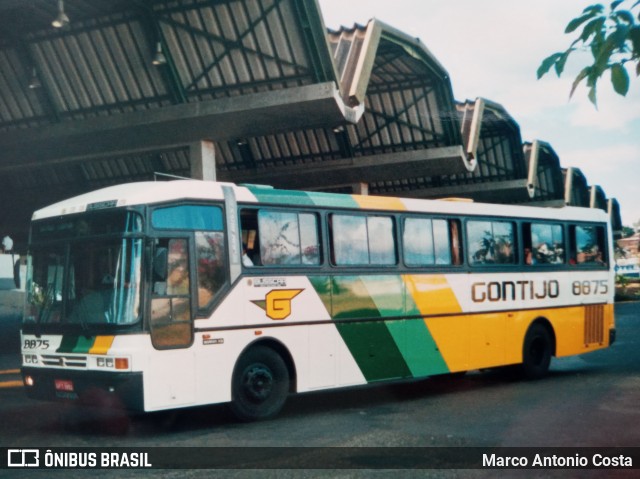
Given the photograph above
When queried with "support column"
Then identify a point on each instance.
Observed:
(202, 158)
(360, 188)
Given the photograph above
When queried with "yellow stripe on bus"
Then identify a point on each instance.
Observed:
(485, 340)
(102, 345)
(380, 203)
(432, 294)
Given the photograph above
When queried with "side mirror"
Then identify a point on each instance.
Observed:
(160, 268)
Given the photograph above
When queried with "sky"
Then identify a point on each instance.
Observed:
(492, 49)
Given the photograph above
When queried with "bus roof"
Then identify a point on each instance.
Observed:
(139, 193)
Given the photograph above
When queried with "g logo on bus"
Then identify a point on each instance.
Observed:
(277, 303)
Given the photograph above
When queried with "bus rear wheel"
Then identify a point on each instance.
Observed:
(260, 384)
(536, 352)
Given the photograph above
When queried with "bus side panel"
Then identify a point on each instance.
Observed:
(169, 376)
(582, 329)
(330, 362)
(380, 323)
(472, 341)
(170, 379)
(358, 305)
(266, 306)
(432, 295)
(464, 341)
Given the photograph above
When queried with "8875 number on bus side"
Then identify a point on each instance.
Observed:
(590, 287)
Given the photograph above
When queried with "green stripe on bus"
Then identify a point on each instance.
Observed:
(76, 344)
(417, 347)
(322, 286)
(350, 299)
(332, 200)
(409, 347)
(302, 198)
(267, 195)
(374, 350)
(387, 293)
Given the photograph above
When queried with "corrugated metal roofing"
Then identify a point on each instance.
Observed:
(409, 102)
(102, 63)
(101, 66)
(615, 217)
(576, 188)
(598, 198)
(501, 164)
(395, 100)
(405, 96)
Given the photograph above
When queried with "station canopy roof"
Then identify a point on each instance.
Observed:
(128, 87)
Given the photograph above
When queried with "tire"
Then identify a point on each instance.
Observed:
(536, 352)
(260, 384)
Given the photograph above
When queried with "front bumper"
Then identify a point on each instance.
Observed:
(127, 388)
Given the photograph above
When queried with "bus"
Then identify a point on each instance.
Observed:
(182, 293)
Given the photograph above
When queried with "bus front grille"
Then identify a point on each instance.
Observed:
(64, 361)
(594, 324)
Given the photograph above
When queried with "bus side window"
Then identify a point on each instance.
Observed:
(211, 265)
(280, 238)
(430, 242)
(545, 244)
(491, 242)
(360, 240)
(589, 244)
(250, 237)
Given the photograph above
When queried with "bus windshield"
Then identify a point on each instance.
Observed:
(87, 281)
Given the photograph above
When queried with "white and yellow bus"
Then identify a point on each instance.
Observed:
(183, 293)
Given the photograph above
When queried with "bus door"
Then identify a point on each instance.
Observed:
(171, 370)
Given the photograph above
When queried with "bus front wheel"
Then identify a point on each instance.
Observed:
(260, 384)
(536, 352)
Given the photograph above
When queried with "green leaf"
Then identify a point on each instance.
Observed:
(620, 79)
(595, 25)
(592, 96)
(615, 43)
(634, 36)
(547, 63)
(619, 36)
(592, 77)
(581, 76)
(559, 64)
(597, 8)
(626, 16)
(576, 22)
(615, 4)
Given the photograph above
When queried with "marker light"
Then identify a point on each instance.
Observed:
(113, 363)
(28, 381)
(122, 363)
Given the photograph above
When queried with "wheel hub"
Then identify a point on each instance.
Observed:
(258, 383)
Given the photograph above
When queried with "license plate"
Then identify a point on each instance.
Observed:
(64, 385)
